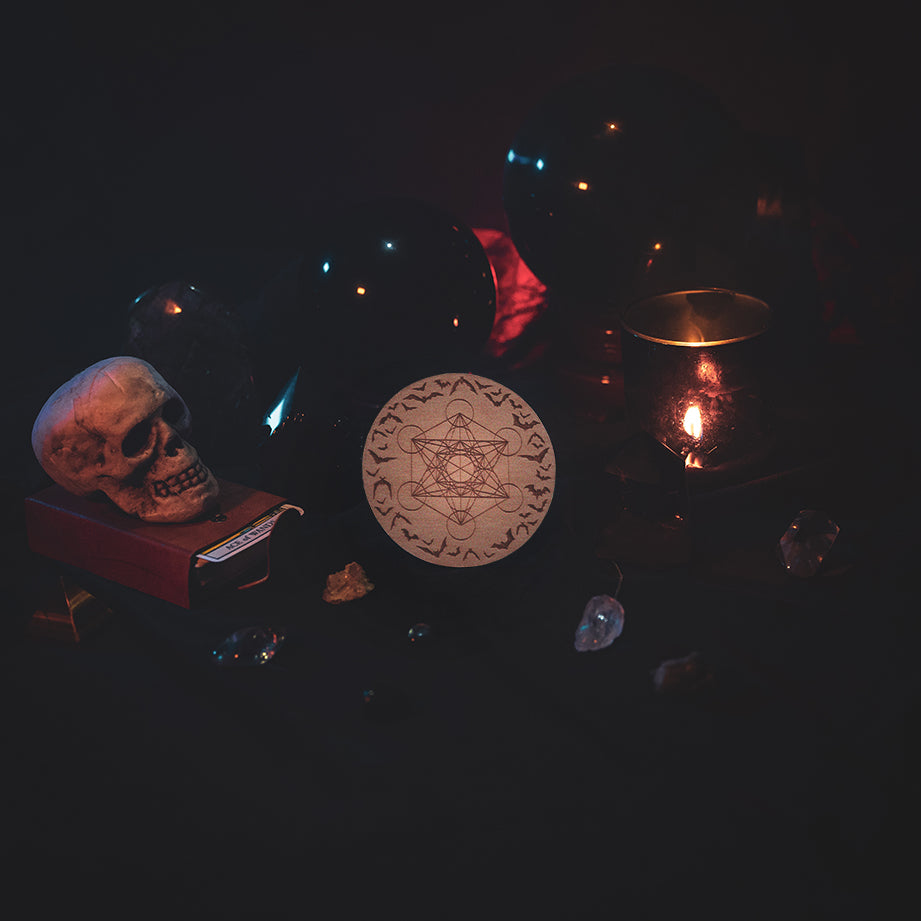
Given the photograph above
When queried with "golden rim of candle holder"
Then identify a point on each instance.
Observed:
(697, 317)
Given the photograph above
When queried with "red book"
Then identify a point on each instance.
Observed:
(180, 563)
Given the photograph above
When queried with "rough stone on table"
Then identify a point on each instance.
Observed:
(685, 674)
(348, 585)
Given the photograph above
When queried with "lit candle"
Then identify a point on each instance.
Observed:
(691, 373)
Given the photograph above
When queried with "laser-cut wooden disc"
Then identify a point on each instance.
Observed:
(459, 470)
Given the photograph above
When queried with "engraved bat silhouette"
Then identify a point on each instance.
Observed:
(454, 552)
(422, 386)
(536, 439)
(537, 493)
(537, 457)
(505, 544)
(421, 399)
(390, 416)
(515, 404)
(380, 458)
(441, 383)
(524, 425)
(383, 512)
(538, 508)
(496, 402)
(393, 521)
(465, 382)
(527, 528)
(473, 552)
(409, 536)
(385, 483)
(439, 551)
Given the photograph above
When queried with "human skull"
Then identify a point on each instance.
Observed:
(117, 428)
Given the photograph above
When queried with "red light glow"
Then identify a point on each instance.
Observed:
(520, 295)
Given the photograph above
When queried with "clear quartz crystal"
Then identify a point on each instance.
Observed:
(806, 542)
(601, 624)
(249, 646)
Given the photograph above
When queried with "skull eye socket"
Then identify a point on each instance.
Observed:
(173, 410)
(136, 439)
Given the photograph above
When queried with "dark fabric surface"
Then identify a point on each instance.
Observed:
(513, 778)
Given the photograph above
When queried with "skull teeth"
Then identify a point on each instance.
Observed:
(174, 485)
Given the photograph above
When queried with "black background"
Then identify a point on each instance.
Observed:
(143, 141)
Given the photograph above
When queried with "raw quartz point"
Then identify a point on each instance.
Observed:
(806, 542)
(249, 646)
(601, 624)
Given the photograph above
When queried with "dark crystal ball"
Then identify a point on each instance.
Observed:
(388, 291)
(608, 166)
(196, 340)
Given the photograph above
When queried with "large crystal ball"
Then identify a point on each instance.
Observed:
(391, 287)
(605, 168)
(197, 341)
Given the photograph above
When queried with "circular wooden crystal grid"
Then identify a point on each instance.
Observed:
(458, 470)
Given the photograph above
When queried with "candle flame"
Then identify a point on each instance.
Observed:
(692, 422)
(172, 307)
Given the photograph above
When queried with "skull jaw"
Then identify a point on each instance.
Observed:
(176, 507)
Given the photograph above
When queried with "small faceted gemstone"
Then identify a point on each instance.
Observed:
(249, 646)
(806, 542)
(601, 624)
(419, 633)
